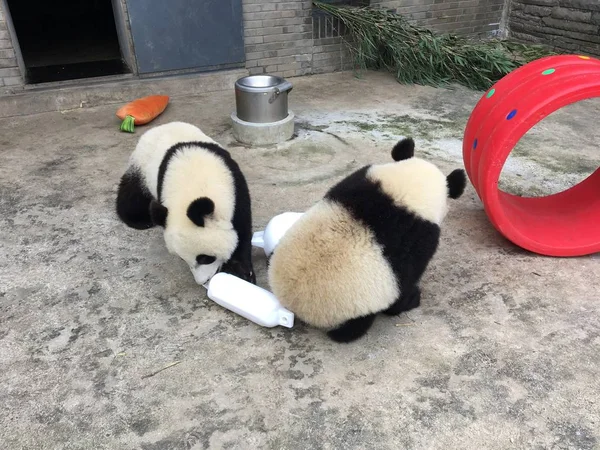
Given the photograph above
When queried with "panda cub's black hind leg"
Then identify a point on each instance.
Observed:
(406, 302)
(352, 330)
(133, 202)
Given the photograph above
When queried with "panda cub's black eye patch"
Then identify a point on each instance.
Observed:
(205, 259)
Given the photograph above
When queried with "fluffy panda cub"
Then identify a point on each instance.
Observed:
(182, 180)
(363, 248)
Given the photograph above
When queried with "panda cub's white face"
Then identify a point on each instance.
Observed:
(204, 249)
(203, 273)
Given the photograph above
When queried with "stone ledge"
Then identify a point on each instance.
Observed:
(540, 2)
(257, 134)
(570, 26)
(549, 32)
(83, 95)
(572, 14)
(585, 5)
(540, 11)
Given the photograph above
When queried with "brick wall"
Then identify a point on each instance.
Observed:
(565, 25)
(329, 52)
(456, 16)
(288, 38)
(278, 36)
(10, 75)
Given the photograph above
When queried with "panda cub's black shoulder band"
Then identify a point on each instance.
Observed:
(162, 170)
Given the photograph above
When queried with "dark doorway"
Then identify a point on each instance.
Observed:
(67, 39)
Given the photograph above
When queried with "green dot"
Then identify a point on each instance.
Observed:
(489, 94)
(548, 71)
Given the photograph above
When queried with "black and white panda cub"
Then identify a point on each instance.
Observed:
(182, 180)
(363, 248)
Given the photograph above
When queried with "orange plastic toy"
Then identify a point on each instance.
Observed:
(141, 111)
(563, 224)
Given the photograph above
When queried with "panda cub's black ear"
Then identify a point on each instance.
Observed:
(199, 209)
(404, 149)
(158, 213)
(456, 181)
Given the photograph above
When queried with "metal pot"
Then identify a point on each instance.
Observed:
(262, 98)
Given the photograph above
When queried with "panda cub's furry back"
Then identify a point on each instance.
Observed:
(182, 180)
(363, 248)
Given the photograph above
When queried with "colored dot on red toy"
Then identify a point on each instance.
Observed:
(584, 57)
(475, 144)
(548, 71)
(511, 114)
(490, 93)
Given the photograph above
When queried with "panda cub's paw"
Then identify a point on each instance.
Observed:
(240, 270)
(352, 329)
(413, 300)
(405, 303)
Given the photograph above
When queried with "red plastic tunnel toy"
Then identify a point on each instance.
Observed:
(563, 224)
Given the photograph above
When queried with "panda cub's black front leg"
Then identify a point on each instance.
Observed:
(406, 302)
(240, 263)
(243, 270)
(133, 201)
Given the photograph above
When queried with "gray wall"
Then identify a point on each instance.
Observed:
(566, 25)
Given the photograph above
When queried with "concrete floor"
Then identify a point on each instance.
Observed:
(503, 354)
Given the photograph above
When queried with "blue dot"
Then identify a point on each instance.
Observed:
(475, 144)
(511, 114)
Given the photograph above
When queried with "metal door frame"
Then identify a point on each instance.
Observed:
(121, 16)
(15, 41)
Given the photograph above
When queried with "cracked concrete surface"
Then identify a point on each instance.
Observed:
(503, 354)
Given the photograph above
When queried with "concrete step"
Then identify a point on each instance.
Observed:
(89, 94)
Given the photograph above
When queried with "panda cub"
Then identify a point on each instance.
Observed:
(182, 180)
(363, 248)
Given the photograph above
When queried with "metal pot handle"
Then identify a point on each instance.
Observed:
(286, 86)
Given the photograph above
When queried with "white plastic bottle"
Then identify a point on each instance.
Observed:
(249, 301)
(274, 231)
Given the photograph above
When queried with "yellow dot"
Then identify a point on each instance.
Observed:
(584, 57)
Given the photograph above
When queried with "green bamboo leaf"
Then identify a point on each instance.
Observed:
(378, 39)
